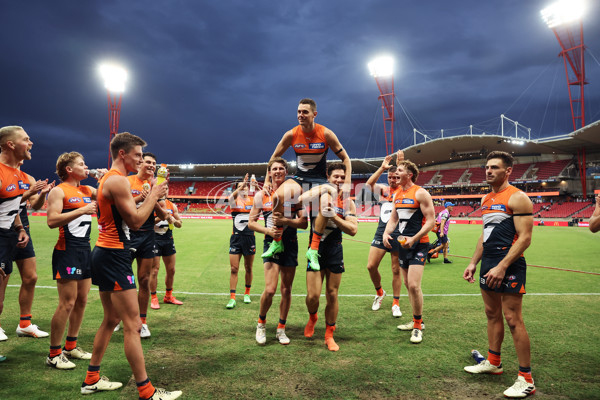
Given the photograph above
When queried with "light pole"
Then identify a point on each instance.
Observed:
(114, 81)
(382, 69)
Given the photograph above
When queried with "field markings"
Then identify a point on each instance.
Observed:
(351, 295)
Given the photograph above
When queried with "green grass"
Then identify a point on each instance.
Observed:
(210, 352)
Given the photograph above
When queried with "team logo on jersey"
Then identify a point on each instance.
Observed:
(24, 186)
(299, 146)
(316, 146)
(131, 279)
(512, 278)
(10, 188)
(74, 200)
(408, 201)
(339, 211)
(268, 204)
(135, 192)
(248, 207)
(498, 207)
(86, 200)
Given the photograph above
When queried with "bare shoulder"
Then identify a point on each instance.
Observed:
(520, 202)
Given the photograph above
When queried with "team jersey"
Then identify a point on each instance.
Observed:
(77, 232)
(240, 213)
(136, 189)
(162, 227)
(267, 211)
(332, 233)
(114, 232)
(443, 220)
(14, 184)
(23, 207)
(311, 152)
(410, 216)
(499, 231)
(386, 210)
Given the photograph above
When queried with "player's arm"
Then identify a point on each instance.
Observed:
(348, 224)
(299, 222)
(254, 215)
(445, 220)
(119, 191)
(176, 218)
(335, 145)
(426, 204)
(284, 144)
(523, 220)
(372, 184)
(390, 227)
(233, 196)
(54, 215)
(595, 218)
(23, 238)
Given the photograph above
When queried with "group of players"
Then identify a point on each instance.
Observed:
(318, 191)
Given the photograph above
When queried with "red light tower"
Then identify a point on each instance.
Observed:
(564, 18)
(114, 82)
(382, 69)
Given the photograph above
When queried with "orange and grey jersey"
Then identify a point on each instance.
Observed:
(114, 232)
(410, 216)
(14, 184)
(77, 232)
(23, 207)
(162, 227)
(137, 185)
(311, 152)
(386, 210)
(499, 231)
(267, 211)
(240, 213)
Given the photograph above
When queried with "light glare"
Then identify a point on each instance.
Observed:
(562, 12)
(382, 66)
(114, 77)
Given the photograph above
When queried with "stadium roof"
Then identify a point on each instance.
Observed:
(433, 152)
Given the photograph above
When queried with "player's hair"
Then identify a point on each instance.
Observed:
(277, 160)
(310, 102)
(124, 141)
(410, 167)
(7, 133)
(392, 169)
(506, 158)
(148, 154)
(335, 165)
(65, 160)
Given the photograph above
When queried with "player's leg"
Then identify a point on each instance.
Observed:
(512, 308)
(27, 270)
(76, 318)
(143, 272)
(331, 309)
(234, 263)
(67, 295)
(314, 284)
(248, 263)
(169, 262)
(375, 256)
(288, 193)
(396, 284)
(3, 283)
(266, 300)
(287, 274)
(154, 282)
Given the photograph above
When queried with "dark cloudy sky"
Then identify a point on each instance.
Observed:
(219, 81)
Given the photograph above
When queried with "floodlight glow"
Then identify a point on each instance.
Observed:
(382, 66)
(562, 12)
(114, 77)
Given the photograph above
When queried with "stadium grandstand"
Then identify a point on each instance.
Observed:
(553, 171)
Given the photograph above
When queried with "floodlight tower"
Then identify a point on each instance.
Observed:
(382, 69)
(114, 82)
(565, 19)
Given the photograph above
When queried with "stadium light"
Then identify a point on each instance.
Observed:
(382, 69)
(114, 78)
(563, 12)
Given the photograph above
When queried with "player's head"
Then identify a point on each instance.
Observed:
(336, 173)
(407, 170)
(71, 164)
(243, 189)
(277, 169)
(127, 147)
(307, 111)
(148, 165)
(498, 167)
(393, 177)
(14, 139)
(449, 205)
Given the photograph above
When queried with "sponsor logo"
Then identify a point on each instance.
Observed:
(498, 207)
(73, 271)
(315, 146)
(513, 285)
(24, 186)
(512, 278)
(10, 188)
(74, 200)
(268, 204)
(131, 279)
(419, 254)
(87, 199)
(299, 146)
(482, 281)
(375, 242)
(248, 207)
(135, 192)
(408, 201)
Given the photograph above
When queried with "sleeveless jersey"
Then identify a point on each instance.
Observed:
(136, 190)
(77, 232)
(23, 207)
(444, 218)
(386, 210)
(267, 211)
(410, 216)
(14, 184)
(499, 231)
(332, 233)
(240, 213)
(162, 227)
(114, 232)
(311, 152)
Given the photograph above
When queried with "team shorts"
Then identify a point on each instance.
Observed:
(307, 184)
(25, 252)
(164, 246)
(378, 243)
(111, 269)
(73, 263)
(332, 257)
(514, 279)
(8, 245)
(416, 255)
(289, 256)
(141, 244)
(242, 244)
(443, 239)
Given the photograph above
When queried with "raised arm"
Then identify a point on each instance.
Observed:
(233, 196)
(339, 151)
(372, 181)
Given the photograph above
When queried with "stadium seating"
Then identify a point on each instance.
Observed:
(563, 210)
(549, 169)
(518, 171)
(477, 175)
(585, 212)
(178, 188)
(451, 176)
(425, 177)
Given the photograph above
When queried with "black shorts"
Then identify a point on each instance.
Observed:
(111, 269)
(289, 256)
(74, 263)
(443, 239)
(164, 246)
(141, 244)
(25, 252)
(514, 279)
(416, 255)
(332, 257)
(242, 244)
(378, 242)
(8, 246)
(308, 183)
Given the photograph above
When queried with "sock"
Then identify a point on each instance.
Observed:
(232, 294)
(145, 389)
(153, 295)
(329, 329)
(379, 291)
(525, 372)
(396, 301)
(143, 318)
(313, 316)
(494, 358)
(247, 291)
(262, 319)
(316, 240)
(281, 324)
(279, 228)
(25, 320)
(93, 375)
(169, 293)
(418, 321)
(70, 343)
(54, 351)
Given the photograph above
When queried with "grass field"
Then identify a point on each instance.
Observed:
(210, 352)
